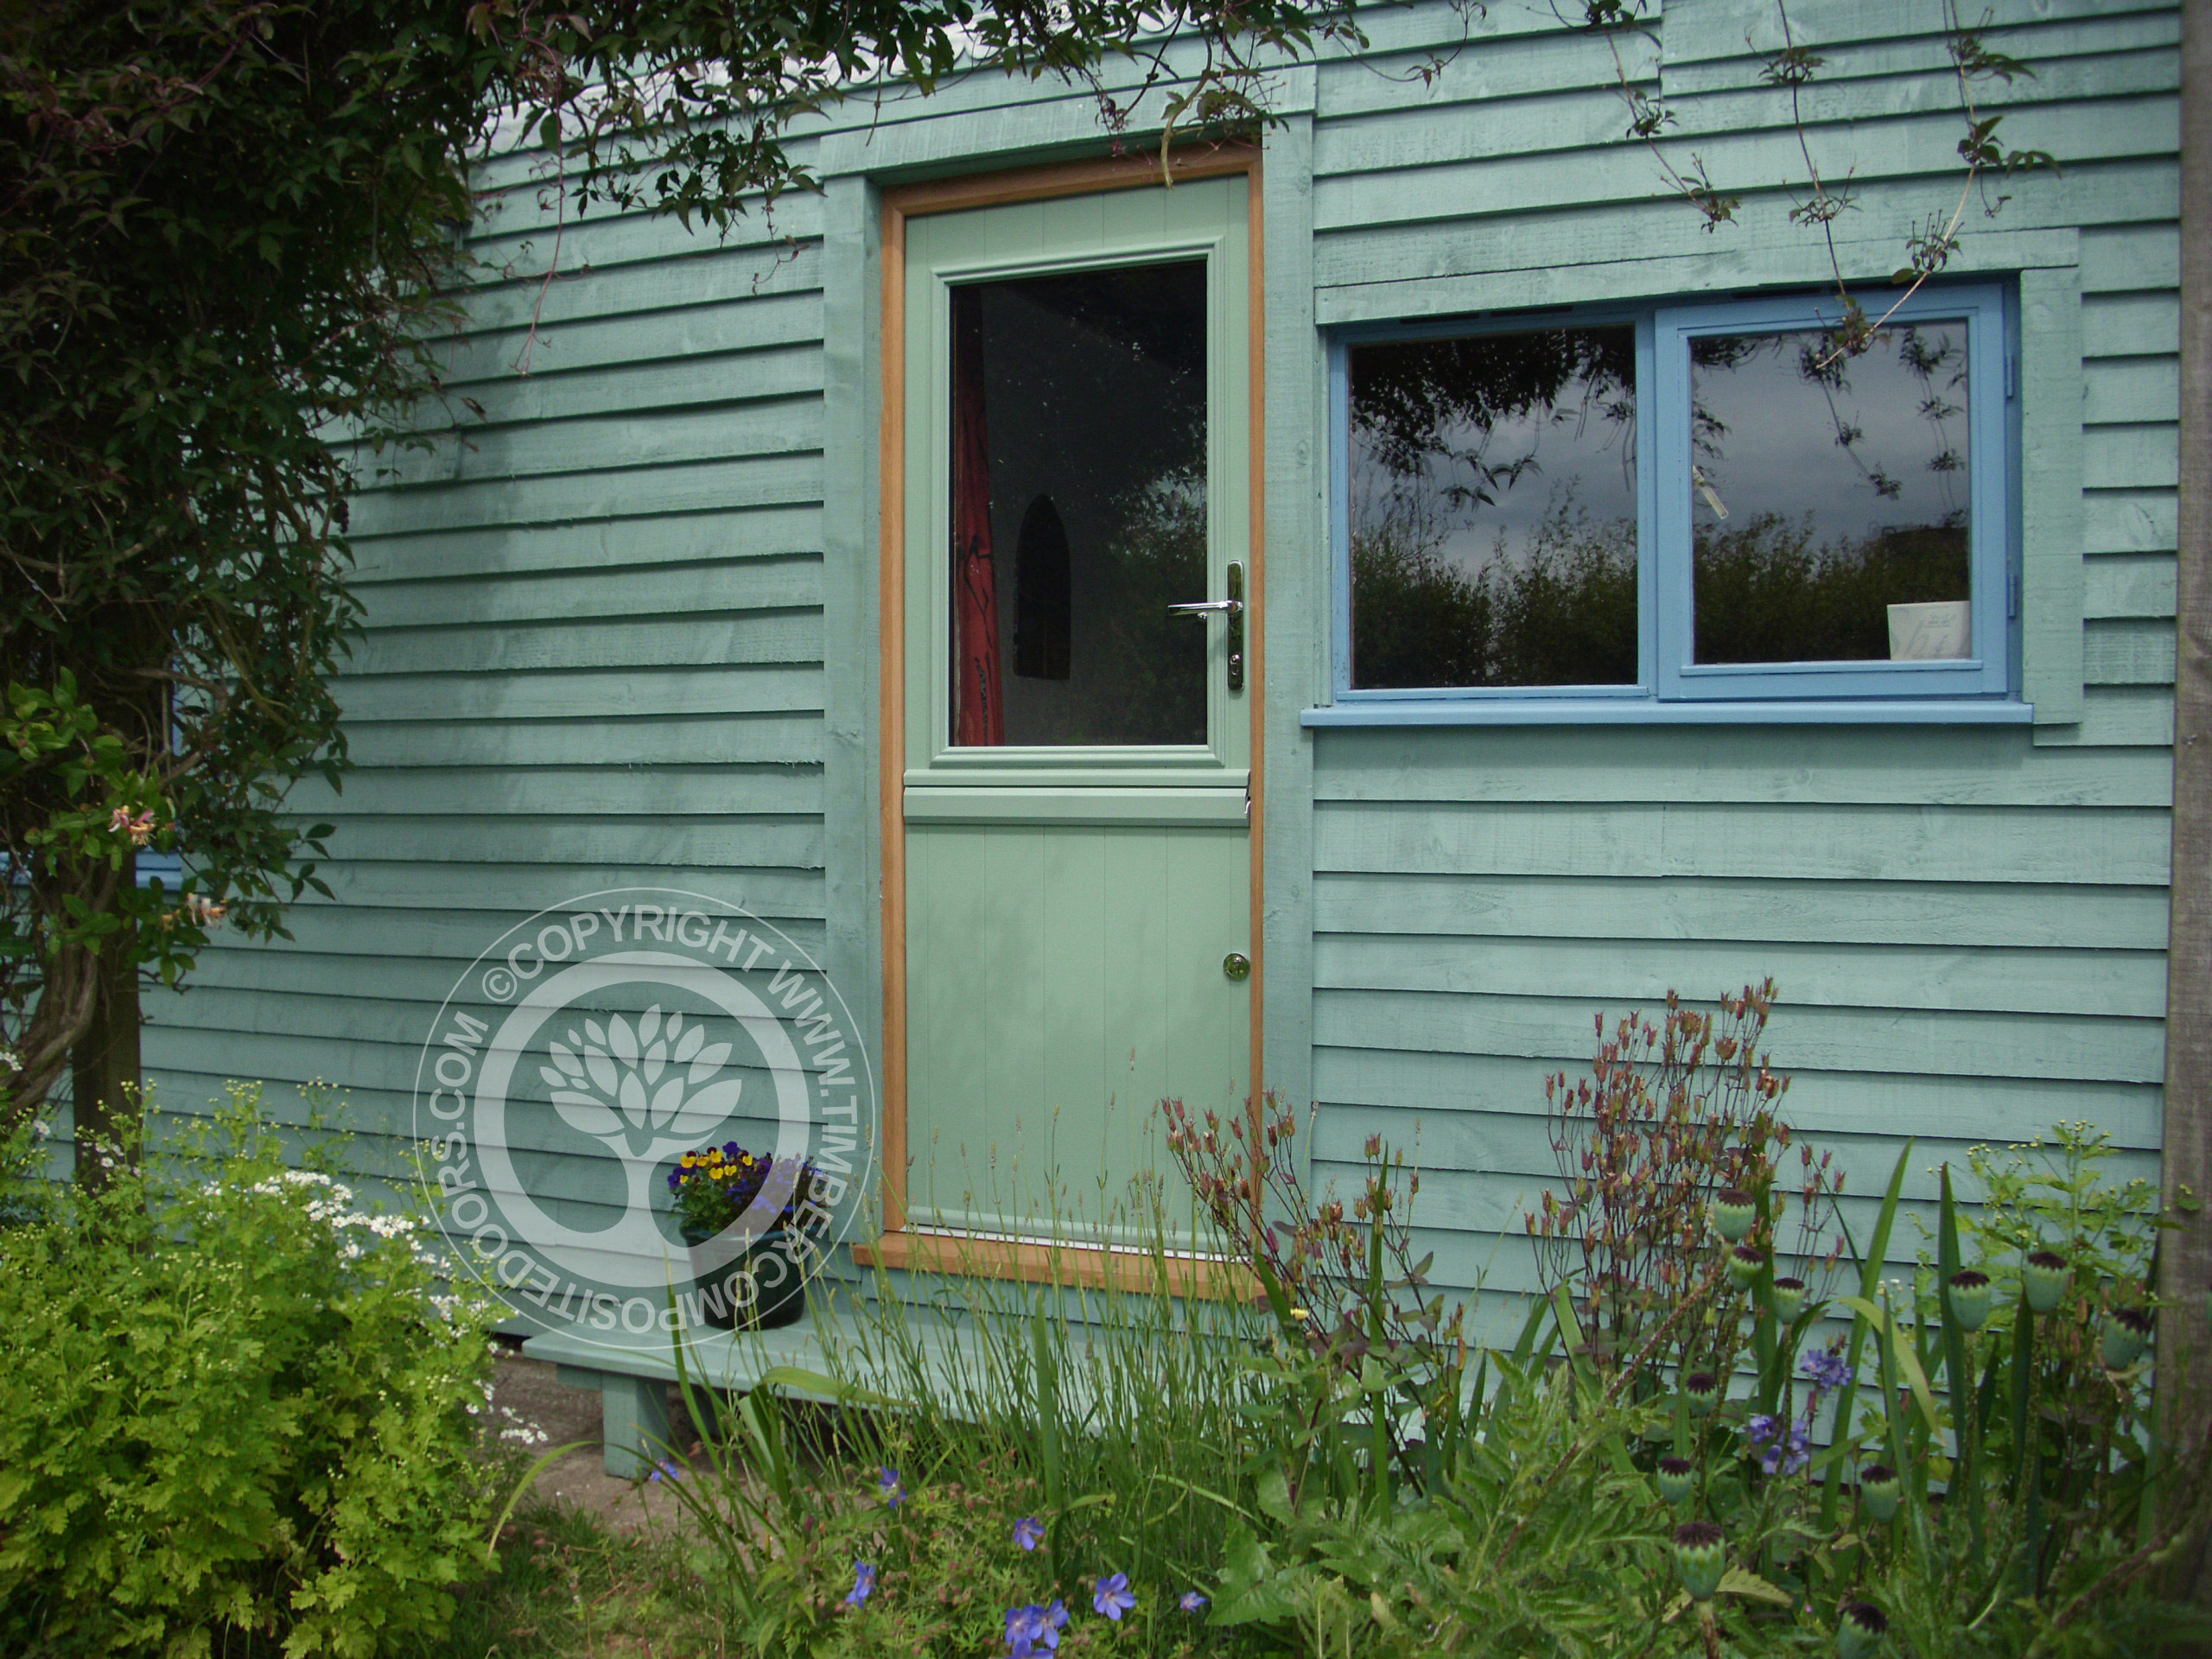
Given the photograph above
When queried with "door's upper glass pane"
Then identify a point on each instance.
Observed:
(1080, 507)
(1493, 510)
(1829, 496)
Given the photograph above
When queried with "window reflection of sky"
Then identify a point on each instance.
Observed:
(1768, 437)
(1579, 452)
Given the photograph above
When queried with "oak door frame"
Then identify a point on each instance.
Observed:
(1014, 1259)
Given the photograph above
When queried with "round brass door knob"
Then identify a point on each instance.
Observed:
(1236, 965)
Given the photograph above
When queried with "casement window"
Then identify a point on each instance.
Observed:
(1700, 511)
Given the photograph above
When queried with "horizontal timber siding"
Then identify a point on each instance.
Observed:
(1968, 926)
(593, 657)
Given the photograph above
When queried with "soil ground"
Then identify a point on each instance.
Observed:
(529, 1389)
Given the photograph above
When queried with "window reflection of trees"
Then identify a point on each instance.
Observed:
(1445, 428)
(1799, 587)
(1559, 607)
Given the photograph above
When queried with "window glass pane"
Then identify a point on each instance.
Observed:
(1493, 510)
(1080, 507)
(1829, 497)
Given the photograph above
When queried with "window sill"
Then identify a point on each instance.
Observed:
(1537, 711)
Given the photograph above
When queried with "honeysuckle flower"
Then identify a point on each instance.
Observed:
(1111, 1597)
(863, 1583)
(1191, 1601)
(887, 1480)
(1029, 1532)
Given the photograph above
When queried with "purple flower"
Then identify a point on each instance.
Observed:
(863, 1583)
(1191, 1601)
(1029, 1532)
(1111, 1597)
(886, 1479)
(1782, 1449)
(1030, 1628)
(664, 1470)
(1827, 1369)
(675, 1181)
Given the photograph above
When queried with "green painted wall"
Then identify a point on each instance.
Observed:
(626, 633)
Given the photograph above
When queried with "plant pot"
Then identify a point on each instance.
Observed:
(757, 1289)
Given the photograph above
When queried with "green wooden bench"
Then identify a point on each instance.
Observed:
(631, 1375)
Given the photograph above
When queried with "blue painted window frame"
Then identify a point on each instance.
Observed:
(1670, 686)
(1987, 671)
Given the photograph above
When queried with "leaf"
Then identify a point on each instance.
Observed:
(1250, 1589)
(622, 1042)
(708, 1061)
(708, 1107)
(1908, 1361)
(603, 1074)
(585, 1114)
(666, 1099)
(1273, 1496)
(1741, 1581)
(632, 1098)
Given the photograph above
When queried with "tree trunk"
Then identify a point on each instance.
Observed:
(2185, 1253)
(104, 1065)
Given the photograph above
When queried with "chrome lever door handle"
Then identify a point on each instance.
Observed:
(1233, 609)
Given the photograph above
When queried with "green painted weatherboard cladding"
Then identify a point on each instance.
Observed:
(624, 633)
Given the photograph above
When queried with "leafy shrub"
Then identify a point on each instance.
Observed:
(234, 1409)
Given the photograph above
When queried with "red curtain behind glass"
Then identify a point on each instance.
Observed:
(979, 708)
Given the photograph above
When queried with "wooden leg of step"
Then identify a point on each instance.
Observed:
(633, 1415)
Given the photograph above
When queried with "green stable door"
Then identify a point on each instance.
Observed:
(1077, 729)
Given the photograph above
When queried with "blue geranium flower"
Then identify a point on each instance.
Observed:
(1030, 1628)
(1111, 1597)
(887, 1479)
(863, 1583)
(1192, 1601)
(1029, 1532)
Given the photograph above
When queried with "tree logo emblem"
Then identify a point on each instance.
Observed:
(585, 1052)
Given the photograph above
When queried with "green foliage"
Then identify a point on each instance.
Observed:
(236, 1414)
(1565, 615)
(1764, 591)
(1324, 1464)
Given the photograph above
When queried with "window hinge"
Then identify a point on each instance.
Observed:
(2011, 375)
(2012, 594)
